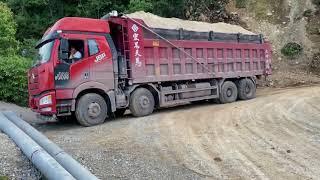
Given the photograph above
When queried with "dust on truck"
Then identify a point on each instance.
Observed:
(127, 64)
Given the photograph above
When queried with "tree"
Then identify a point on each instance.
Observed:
(169, 8)
(140, 5)
(8, 43)
(35, 16)
(209, 10)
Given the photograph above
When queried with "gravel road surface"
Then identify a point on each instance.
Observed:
(275, 136)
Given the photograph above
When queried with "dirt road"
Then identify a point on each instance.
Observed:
(275, 136)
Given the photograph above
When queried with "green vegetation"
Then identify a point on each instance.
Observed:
(207, 10)
(8, 43)
(13, 68)
(291, 49)
(4, 178)
(13, 79)
(307, 13)
(140, 5)
(33, 17)
(316, 2)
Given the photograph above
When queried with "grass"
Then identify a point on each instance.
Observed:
(4, 177)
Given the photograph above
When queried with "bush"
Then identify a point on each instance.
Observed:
(307, 13)
(26, 48)
(140, 5)
(13, 79)
(316, 2)
(291, 49)
(8, 43)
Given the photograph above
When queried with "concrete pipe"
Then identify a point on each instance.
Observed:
(71, 165)
(48, 166)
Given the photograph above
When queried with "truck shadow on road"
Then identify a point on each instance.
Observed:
(72, 122)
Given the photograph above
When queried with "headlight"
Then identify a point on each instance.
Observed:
(45, 100)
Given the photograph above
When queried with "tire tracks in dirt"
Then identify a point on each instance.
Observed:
(275, 136)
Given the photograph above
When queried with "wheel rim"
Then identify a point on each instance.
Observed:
(144, 102)
(229, 92)
(247, 89)
(94, 110)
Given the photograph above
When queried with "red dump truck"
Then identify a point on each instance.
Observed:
(125, 64)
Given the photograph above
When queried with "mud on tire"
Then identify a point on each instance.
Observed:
(141, 102)
(91, 109)
(246, 89)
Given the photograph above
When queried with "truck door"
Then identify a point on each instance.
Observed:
(101, 57)
(72, 71)
(95, 63)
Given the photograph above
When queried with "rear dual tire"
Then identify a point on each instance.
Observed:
(244, 90)
(141, 102)
(229, 92)
(247, 89)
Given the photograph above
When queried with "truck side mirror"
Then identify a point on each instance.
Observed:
(64, 49)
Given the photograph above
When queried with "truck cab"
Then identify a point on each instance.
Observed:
(55, 80)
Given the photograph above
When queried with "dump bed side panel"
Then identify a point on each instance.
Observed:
(154, 60)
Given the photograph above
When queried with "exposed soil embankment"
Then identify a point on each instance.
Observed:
(282, 22)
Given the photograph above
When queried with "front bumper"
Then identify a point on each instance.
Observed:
(46, 109)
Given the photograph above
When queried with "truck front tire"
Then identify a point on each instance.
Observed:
(91, 109)
(247, 89)
(141, 102)
(229, 92)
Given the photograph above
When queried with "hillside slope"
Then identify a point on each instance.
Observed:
(282, 22)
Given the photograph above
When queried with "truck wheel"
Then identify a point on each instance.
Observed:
(229, 92)
(120, 112)
(141, 102)
(247, 89)
(91, 110)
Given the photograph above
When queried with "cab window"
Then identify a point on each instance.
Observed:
(76, 49)
(93, 47)
(44, 53)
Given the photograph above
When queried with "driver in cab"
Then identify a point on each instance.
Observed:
(75, 54)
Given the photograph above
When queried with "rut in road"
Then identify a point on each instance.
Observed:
(271, 136)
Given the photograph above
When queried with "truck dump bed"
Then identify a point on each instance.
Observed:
(157, 55)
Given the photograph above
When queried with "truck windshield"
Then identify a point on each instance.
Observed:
(44, 53)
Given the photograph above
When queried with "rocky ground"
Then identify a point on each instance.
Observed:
(275, 136)
(13, 163)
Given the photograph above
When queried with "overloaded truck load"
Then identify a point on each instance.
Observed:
(97, 68)
(171, 49)
(155, 21)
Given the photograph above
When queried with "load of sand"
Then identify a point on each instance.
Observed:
(155, 21)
